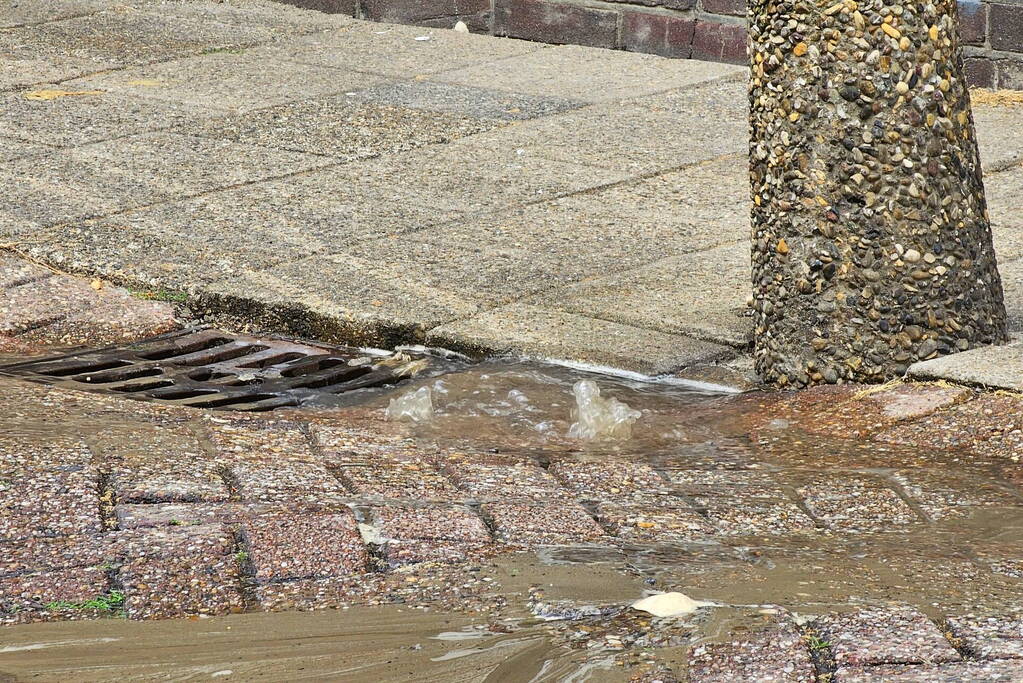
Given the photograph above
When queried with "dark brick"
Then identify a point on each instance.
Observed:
(666, 4)
(680, 38)
(972, 22)
(1010, 73)
(329, 6)
(657, 34)
(980, 72)
(1006, 27)
(550, 22)
(734, 7)
(642, 32)
(422, 11)
(719, 42)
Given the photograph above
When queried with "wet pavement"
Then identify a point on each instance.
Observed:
(872, 533)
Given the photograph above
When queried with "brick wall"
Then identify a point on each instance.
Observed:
(699, 29)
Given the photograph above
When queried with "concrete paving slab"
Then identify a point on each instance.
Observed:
(634, 137)
(534, 331)
(481, 103)
(24, 62)
(702, 294)
(228, 82)
(133, 35)
(276, 22)
(993, 366)
(997, 126)
(19, 13)
(1011, 273)
(588, 74)
(197, 241)
(103, 178)
(80, 119)
(343, 127)
(484, 275)
(471, 177)
(393, 50)
(13, 148)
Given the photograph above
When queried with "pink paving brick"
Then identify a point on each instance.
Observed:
(874, 636)
(777, 654)
(49, 503)
(485, 481)
(543, 524)
(302, 545)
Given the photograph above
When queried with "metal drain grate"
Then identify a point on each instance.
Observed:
(208, 368)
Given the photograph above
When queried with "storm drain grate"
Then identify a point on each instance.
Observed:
(208, 368)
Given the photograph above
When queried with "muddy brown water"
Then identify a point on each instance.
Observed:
(937, 565)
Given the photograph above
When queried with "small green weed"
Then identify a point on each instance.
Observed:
(111, 602)
(817, 644)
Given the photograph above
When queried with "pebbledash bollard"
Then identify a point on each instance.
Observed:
(871, 241)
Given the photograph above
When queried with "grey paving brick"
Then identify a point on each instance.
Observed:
(22, 13)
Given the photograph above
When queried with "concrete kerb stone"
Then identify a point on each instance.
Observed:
(996, 367)
(537, 332)
(702, 294)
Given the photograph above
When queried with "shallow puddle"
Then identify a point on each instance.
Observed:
(806, 522)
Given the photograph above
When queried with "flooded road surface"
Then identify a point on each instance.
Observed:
(487, 542)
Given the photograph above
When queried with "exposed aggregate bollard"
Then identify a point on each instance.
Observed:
(871, 241)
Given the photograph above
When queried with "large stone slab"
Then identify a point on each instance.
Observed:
(588, 74)
(399, 51)
(701, 294)
(538, 332)
(137, 35)
(466, 176)
(106, 177)
(227, 81)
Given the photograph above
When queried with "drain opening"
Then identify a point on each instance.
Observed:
(206, 368)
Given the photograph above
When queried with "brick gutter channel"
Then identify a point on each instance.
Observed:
(710, 30)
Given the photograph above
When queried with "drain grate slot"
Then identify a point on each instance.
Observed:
(206, 368)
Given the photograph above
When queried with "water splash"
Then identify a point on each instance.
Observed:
(600, 418)
(415, 405)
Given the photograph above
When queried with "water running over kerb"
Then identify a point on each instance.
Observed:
(594, 417)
